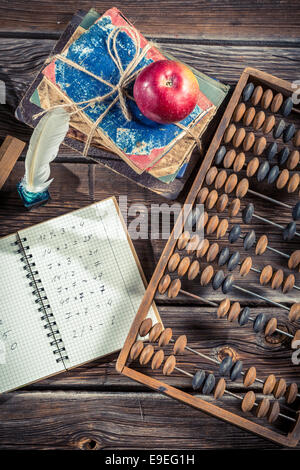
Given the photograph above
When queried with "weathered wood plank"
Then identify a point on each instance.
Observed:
(268, 20)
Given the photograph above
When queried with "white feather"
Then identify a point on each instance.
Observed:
(43, 148)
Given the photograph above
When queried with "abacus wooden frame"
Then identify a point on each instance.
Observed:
(292, 438)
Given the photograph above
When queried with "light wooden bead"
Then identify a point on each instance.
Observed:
(250, 377)
(211, 199)
(234, 312)
(294, 313)
(183, 266)
(295, 343)
(256, 95)
(248, 401)
(223, 308)
(259, 120)
(273, 412)
(261, 245)
(202, 195)
(146, 354)
(202, 248)
(277, 279)
(246, 266)
(222, 202)
(248, 141)
(173, 262)
(212, 224)
(288, 283)
(252, 167)
(291, 393)
(157, 359)
(145, 327)
(164, 284)
(155, 332)
(193, 244)
(180, 344)
(136, 349)
(220, 388)
(212, 252)
(231, 183)
(266, 98)
(202, 221)
(222, 228)
(293, 183)
(206, 275)
(193, 270)
(229, 158)
(239, 112)
(266, 275)
(282, 179)
(269, 124)
(229, 133)
(174, 288)
(294, 259)
(296, 139)
(183, 240)
(263, 408)
(280, 388)
(211, 175)
(271, 326)
(269, 384)
(276, 102)
(259, 146)
(220, 179)
(249, 116)
(293, 160)
(239, 162)
(242, 188)
(169, 365)
(234, 207)
(239, 137)
(165, 337)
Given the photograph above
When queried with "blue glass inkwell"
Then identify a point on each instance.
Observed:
(30, 199)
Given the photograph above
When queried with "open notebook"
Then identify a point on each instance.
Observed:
(69, 291)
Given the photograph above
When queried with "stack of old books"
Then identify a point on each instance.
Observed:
(153, 155)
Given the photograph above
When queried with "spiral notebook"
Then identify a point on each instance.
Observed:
(70, 288)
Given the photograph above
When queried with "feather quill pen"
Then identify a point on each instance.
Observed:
(43, 148)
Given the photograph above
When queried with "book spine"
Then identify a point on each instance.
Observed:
(44, 308)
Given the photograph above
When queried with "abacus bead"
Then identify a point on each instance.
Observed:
(220, 155)
(218, 279)
(236, 371)
(263, 170)
(206, 275)
(202, 221)
(249, 116)
(146, 354)
(287, 106)
(202, 248)
(294, 259)
(164, 284)
(242, 188)
(183, 240)
(212, 224)
(193, 244)
(269, 384)
(252, 167)
(234, 207)
(273, 412)
(234, 312)
(267, 98)
(234, 233)
(259, 323)
(209, 384)
(239, 137)
(157, 359)
(288, 133)
(173, 262)
(169, 365)
(145, 327)
(211, 199)
(288, 283)
(246, 266)
(277, 279)
(268, 124)
(293, 183)
(259, 120)
(248, 141)
(222, 228)
(293, 160)
(273, 174)
(165, 337)
(266, 275)
(229, 158)
(263, 408)
(248, 90)
(271, 151)
(155, 332)
(278, 130)
(220, 179)
(193, 217)
(231, 183)
(294, 313)
(249, 240)
(136, 349)
(295, 343)
(229, 133)
(244, 316)
(247, 213)
(289, 231)
(223, 308)
(239, 162)
(296, 140)
(280, 388)
(276, 102)
(259, 146)
(222, 202)
(211, 175)
(180, 344)
(239, 112)
(198, 379)
(283, 155)
(282, 179)
(261, 245)
(227, 284)
(193, 270)
(271, 326)
(233, 261)
(249, 377)
(174, 288)
(202, 195)
(220, 389)
(248, 401)
(256, 95)
(212, 252)
(183, 266)
(225, 366)
(224, 256)
(296, 211)
(291, 393)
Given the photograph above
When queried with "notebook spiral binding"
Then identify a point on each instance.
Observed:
(41, 299)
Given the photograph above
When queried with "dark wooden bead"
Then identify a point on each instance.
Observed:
(220, 155)
(198, 379)
(278, 129)
(247, 92)
(227, 284)
(209, 384)
(296, 211)
(263, 170)
(225, 366)
(288, 133)
(272, 176)
(193, 217)
(259, 322)
(249, 240)
(233, 261)
(247, 213)
(283, 155)
(218, 279)
(223, 256)
(286, 107)
(271, 151)
(234, 233)
(289, 231)
(236, 371)
(244, 316)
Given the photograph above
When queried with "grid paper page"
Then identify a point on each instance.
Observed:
(25, 353)
(90, 277)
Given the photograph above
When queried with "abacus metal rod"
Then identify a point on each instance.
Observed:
(277, 304)
(271, 223)
(270, 199)
(278, 252)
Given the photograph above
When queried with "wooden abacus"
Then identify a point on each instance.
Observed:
(255, 104)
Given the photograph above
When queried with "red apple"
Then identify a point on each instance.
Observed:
(166, 91)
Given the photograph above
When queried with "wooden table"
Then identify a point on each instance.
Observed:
(93, 406)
